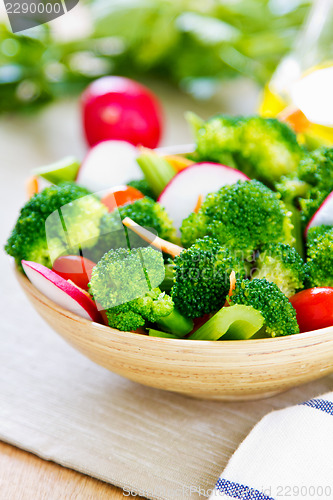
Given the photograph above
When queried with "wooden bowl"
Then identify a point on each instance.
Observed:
(225, 370)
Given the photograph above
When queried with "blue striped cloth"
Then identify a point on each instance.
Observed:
(287, 455)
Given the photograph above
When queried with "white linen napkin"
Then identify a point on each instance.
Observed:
(288, 454)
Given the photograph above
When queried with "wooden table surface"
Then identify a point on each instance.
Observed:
(24, 476)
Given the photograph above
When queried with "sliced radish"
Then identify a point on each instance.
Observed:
(180, 196)
(324, 214)
(60, 291)
(107, 164)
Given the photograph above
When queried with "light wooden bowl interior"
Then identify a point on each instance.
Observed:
(225, 370)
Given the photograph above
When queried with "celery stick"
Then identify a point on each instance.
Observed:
(158, 333)
(63, 170)
(236, 322)
(157, 171)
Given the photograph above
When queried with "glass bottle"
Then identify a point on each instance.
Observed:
(301, 89)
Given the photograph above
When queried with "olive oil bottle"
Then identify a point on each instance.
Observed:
(301, 89)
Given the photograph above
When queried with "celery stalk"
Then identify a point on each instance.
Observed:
(158, 333)
(236, 322)
(157, 171)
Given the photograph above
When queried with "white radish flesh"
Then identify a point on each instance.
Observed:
(108, 164)
(181, 195)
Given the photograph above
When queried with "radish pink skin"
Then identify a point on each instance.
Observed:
(313, 218)
(114, 107)
(83, 300)
(239, 176)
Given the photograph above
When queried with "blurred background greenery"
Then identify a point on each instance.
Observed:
(193, 44)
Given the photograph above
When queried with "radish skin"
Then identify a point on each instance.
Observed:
(61, 291)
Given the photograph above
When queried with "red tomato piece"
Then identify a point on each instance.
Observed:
(75, 268)
(314, 308)
(119, 108)
(121, 195)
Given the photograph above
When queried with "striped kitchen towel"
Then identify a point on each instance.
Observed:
(287, 455)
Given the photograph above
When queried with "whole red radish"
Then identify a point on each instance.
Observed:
(115, 107)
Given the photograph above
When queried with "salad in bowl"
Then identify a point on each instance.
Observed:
(204, 269)
(230, 240)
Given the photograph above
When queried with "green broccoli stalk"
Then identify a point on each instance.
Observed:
(319, 265)
(282, 265)
(267, 298)
(125, 282)
(243, 216)
(169, 277)
(201, 277)
(58, 220)
(157, 171)
(238, 322)
(264, 148)
(175, 323)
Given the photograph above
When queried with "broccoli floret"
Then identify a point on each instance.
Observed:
(125, 282)
(134, 314)
(218, 135)
(219, 140)
(57, 220)
(145, 212)
(270, 146)
(264, 148)
(282, 265)
(243, 216)
(310, 205)
(123, 275)
(292, 188)
(267, 298)
(150, 214)
(317, 170)
(201, 277)
(143, 186)
(319, 266)
(311, 184)
(313, 234)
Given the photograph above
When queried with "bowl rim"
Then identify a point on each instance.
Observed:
(319, 334)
